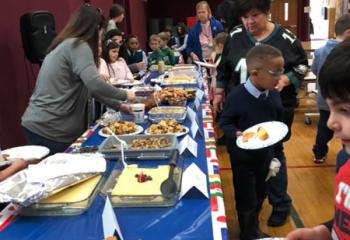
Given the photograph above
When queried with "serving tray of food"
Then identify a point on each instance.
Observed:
(157, 114)
(180, 80)
(141, 147)
(139, 184)
(73, 200)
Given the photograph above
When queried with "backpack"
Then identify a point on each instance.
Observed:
(37, 32)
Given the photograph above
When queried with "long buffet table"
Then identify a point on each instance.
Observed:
(190, 218)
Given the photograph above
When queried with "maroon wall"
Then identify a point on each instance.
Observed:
(303, 31)
(138, 20)
(18, 75)
(178, 10)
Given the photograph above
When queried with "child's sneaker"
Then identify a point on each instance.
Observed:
(320, 160)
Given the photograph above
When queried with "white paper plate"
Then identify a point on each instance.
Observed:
(126, 83)
(177, 134)
(30, 152)
(276, 130)
(139, 130)
(131, 84)
(209, 65)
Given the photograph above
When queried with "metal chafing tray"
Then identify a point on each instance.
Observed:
(59, 203)
(163, 112)
(143, 200)
(110, 147)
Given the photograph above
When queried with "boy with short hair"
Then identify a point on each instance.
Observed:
(254, 102)
(168, 54)
(156, 56)
(324, 134)
(335, 88)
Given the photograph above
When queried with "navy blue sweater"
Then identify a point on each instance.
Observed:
(242, 110)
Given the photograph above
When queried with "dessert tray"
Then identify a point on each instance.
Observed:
(139, 184)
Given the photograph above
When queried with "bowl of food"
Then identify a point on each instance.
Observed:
(181, 101)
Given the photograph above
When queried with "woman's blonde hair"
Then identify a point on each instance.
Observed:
(204, 4)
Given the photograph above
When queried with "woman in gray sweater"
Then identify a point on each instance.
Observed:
(56, 113)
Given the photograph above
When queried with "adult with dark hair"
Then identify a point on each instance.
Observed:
(335, 88)
(116, 15)
(56, 114)
(227, 14)
(200, 38)
(181, 40)
(232, 71)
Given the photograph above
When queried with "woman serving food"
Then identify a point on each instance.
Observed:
(56, 114)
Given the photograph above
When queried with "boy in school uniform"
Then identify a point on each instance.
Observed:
(324, 134)
(168, 54)
(156, 56)
(335, 88)
(247, 105)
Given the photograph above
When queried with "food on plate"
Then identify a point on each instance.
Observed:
(169, 94)
(129, 185)
(149, 143)
(262, 134)
(166, 126)
(247, 135)
(121, 127)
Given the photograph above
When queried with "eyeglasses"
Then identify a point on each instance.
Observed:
(272, 73)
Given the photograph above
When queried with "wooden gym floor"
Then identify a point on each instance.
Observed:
(310, 185)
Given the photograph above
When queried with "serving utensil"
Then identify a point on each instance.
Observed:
(122, 145)
(168, 187)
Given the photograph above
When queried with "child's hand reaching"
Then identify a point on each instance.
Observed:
(140, 65)
(239, 133)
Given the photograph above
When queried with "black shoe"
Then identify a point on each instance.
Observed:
(278, 218)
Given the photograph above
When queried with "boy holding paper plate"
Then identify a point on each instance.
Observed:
(249, 104)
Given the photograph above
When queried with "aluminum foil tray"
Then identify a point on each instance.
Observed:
(163, 112)
(110, 147)
(60, 207)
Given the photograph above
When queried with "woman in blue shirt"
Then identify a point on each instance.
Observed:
(200, 38)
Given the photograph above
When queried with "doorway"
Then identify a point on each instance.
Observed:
(319, 18)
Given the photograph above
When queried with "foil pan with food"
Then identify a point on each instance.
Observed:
(47, 177)
(141, 147)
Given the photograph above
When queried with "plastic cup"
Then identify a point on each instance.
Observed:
(139, 112)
